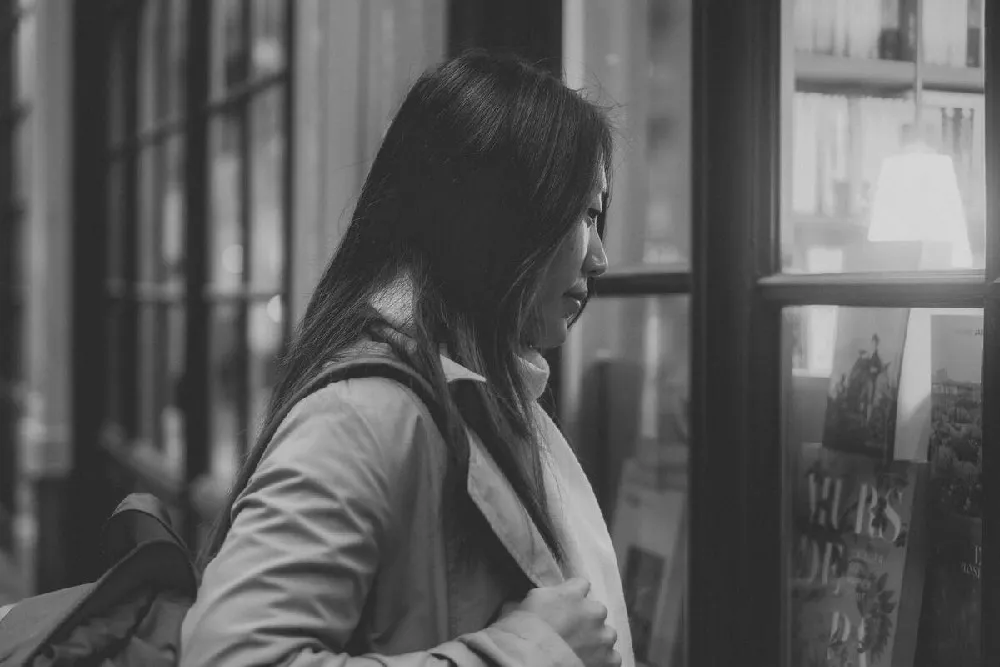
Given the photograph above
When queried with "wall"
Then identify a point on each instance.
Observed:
(354, 60)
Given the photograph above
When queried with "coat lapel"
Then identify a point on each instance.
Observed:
(496, 500)
(506, 515)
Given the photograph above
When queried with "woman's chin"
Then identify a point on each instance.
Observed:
(553, 334)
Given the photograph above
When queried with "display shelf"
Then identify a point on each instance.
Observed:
(820, 72)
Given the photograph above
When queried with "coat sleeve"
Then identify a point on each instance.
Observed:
(290, 582)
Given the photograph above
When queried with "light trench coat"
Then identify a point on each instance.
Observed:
(336, 548)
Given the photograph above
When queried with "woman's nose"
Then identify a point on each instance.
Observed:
(596, 262)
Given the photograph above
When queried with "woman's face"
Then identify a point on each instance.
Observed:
(563, 290)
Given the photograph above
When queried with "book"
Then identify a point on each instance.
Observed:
(649, 532)
(951, 619)
(864, 385)
(857, 559)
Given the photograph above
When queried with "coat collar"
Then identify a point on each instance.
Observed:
(498, 502)
(487, 486)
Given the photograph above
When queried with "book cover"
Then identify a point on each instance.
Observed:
(856, 565)
(951, 619)
(649, 532)
(864, 385)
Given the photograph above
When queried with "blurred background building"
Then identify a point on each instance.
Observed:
(174, 175)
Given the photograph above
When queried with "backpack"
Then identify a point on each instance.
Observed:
(132, 615)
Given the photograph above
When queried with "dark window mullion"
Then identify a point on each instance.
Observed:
(196, 394)
(287, 175)
(245, 133)
(158, 132)
(129, 226)
(642, 283)
(11, 310)
(877, 290)
(159, 333)
(736, 457)
(990, 573)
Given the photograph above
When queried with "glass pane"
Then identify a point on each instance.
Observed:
(171, 214)
(883, 490)
(636, 57)
(227, 252)
(229, 49)
(150, 57)
(267, 190)
(171, 417)
(268, 53)
(26, 58)
(150, 184)
(625, 386)
(953, 33)
(23, 158)
(884, 166)
(176, 55)
(265, 337)
(226, 390)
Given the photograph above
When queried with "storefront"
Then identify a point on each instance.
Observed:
(780, 392)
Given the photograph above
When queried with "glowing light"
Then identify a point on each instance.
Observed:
(917, 199)
(274, 309)
(232, 259)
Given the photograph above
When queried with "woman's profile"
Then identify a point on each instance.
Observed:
(361, 533)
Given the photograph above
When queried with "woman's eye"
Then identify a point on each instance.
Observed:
(593, 214)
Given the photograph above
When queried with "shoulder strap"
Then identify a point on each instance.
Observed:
(371, 365)
(139, 518)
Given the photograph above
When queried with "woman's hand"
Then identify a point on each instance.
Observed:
(579, 620)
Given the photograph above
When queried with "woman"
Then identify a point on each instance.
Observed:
(360, 528)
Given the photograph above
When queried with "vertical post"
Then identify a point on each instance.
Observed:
(990, 573)
(75, 128)
(196, 396)
(736, 573)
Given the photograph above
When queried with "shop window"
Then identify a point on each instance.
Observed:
(17, 54)
(884, 174)
(625, 370)
(198, 225)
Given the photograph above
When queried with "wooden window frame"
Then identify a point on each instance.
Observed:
(737, 571)
(92, 291)
(12, 234)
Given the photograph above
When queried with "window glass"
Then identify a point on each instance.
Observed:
(625, 412)
(268, 189)
(226, 213)
(266, 320)
(229, 48)
(171, 214)
(176, 56)
(635, 58)
(268, 49)
(170, 390)
(885, 162)
(226, 387)
(883, 491)
(149, 231)
(151, 79)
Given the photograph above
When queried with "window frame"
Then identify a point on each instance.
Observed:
(737, 359)
(188, 124)
(13, 220)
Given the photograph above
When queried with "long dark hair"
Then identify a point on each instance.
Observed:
(486, 167)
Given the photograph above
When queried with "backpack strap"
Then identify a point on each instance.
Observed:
(365, 366)
(139, 518)
(382, 366)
